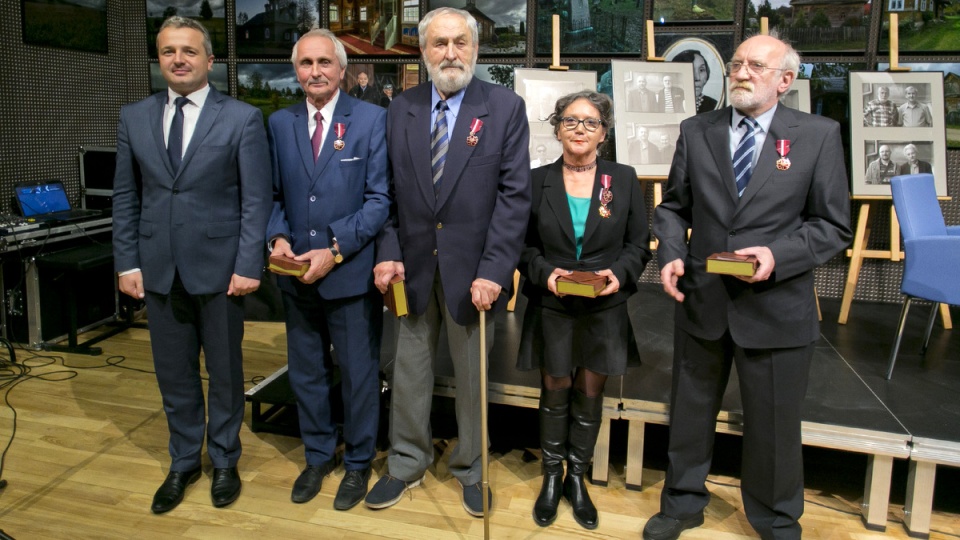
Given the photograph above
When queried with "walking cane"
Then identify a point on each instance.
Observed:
(484, 480)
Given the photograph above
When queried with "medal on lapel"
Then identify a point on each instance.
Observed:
(475, 125)
(340, 131)
(606, 195)
(783, 148)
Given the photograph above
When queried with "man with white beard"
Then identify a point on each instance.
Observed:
(459, 156)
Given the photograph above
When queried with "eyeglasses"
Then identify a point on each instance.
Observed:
(753, 68)
(589, 124)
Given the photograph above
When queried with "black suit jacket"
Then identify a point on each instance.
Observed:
(619, 242)
(802, 214)
(924, 167)
(371, 94)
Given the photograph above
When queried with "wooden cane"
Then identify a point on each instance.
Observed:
(484, 480)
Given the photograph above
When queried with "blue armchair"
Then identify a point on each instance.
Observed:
(931, 251)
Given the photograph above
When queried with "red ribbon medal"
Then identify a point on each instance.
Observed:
(606, 195)
(340, 130)
(783, 148)
(475, 126)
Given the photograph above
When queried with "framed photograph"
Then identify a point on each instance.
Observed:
(502, 26)
(897, 127)
(709, 82)
(591, 26)
(951, 93)
(922, 27)
(357, 24)
(798, 97)
(269, 87)
(814, 26)
(650, 100)
(212, 15)
(540, 89)
(80, 26)
(702, 11)
(263, 34)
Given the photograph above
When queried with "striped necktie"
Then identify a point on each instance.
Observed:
(743, 156)
(438, 145)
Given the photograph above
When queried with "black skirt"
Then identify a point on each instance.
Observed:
(560, 341)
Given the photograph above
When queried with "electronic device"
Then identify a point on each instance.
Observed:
(47, 202)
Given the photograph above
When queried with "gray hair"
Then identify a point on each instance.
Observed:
(791, 58)
(338, 49)
(910, 147)
(601, 102)
(177, 21)
(428, 18)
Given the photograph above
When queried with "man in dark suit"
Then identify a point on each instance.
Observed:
(793, 214)
(913, 164)
(365, 92)
(670, 97)
(455, 237)
(330, 201)
(190, 208)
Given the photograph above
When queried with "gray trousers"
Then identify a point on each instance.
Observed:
(411, 440)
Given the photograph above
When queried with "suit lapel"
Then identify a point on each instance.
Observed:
(156, 113)
(780, 128)
(556, 195)
(341, 115)
(418, 141)
(717, 136)
(208, 116)
(459, 152)
(301, 134)
(593, 216)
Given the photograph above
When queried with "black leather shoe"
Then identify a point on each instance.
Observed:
(225, 487)
(664, 527)
(352, 490)
(172, 489)
(308, 483)
(575, 491)
(545, 509)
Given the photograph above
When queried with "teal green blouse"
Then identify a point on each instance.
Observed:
(579, 208)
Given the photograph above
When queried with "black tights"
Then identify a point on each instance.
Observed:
(584, 381)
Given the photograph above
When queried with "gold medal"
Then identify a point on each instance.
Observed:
(783, 164)
(338, 144)
(472, 139)
(604, 211)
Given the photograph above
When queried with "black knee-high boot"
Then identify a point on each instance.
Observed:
(585, 416)
(554, 405)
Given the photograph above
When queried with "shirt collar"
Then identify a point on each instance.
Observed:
(198, 97)
(764, 119)
(327, 109)
(453, 102)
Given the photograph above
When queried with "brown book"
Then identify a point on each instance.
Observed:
(732, 264)
(581, 284)
(286, 266)
(396, 297)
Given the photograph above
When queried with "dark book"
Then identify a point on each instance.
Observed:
(732, 264)
(396, 297)
(581, 284)
(286, 266)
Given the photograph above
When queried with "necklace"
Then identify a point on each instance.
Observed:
(579, 168)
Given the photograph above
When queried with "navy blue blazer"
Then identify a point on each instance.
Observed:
(205, 221)
(344, 195)
(474, 227)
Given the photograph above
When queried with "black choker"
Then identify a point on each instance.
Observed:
(579, 168)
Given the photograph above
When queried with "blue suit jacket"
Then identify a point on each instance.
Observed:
(205, 221)
(474, 228)
(344, 195)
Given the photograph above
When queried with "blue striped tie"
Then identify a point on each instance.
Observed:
(743, 157)
(438, 145)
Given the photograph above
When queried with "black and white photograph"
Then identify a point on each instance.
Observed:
(540, 89)
(951, 93)
(210, 13)
(591, 26)
(709, 81)
(897, 118)
(501, 24)
(650, 100)
(68, 24)
(271, 27)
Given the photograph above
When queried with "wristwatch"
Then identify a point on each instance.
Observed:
(337, 257)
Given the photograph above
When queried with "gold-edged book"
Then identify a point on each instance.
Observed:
(732, 264)
(396, 297)
(581, 284)
(286, 266)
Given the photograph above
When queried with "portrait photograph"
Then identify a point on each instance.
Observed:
(709, 81)
(650, 99)
(210, 13)
(67, 24)
(897, 122)
(951, 93)
(591, 26)
(540, 90)
(502, 24)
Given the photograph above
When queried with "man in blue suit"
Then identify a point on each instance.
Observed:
(330, 200)
(191, 202)
(461, 179)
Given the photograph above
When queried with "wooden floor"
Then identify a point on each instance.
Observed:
(90, 450)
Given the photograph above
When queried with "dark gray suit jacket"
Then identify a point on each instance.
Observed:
(206, 221)
(802, 214)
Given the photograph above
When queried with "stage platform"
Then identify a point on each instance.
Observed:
(850, 406)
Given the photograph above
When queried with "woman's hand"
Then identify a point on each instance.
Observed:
(552, 280)
(613, 284)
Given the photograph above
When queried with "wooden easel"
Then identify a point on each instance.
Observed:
(858, 251)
